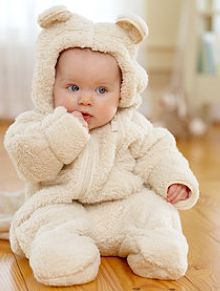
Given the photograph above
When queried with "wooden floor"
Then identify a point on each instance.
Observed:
(201, 226)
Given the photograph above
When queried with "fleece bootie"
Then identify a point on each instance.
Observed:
(160, 256)
(60, 259)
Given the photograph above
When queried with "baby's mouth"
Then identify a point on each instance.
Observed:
(87, 116)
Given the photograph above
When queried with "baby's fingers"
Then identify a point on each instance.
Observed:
(179, 195)
(79, 116)
(172, 196)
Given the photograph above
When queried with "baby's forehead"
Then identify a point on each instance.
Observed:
(85, 52)
(77, 57)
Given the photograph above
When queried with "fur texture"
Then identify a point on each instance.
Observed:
(102, 192)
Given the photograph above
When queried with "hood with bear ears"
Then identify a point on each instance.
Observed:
(63, 29)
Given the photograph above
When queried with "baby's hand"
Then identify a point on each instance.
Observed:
(177, 192)
(79, 116)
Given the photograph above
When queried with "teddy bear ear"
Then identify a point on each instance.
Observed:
(53, 15)
(134, 25)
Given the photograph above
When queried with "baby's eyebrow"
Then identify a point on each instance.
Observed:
(105, 85)
(66, 80)
(105, 82)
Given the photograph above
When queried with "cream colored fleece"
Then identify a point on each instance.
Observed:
(9, 204)
(109, 163)
(98, 192)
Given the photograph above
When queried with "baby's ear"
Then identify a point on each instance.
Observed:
(53, 15)
(134, 25)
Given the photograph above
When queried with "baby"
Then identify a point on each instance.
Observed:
(100, 179)
(88, 85)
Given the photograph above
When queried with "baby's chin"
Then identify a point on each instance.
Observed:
(92, 126)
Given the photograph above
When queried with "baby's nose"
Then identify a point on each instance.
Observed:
(86, 99)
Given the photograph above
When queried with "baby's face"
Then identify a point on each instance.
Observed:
(88, 82)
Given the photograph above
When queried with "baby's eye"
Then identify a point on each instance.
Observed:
(101, 90)
(73, 88)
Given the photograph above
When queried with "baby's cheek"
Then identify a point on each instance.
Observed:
(109, 116)
(111, 111)
(68, 104)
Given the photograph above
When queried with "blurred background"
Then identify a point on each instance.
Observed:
(181, 56)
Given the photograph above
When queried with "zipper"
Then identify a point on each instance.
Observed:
(88, 167)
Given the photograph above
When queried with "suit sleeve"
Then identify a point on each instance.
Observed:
(160, 164)
(40, 145)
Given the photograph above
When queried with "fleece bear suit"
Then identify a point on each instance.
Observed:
(100, 192)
